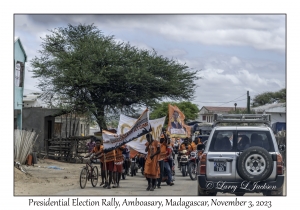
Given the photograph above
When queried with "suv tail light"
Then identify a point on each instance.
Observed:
(279, 164)
(202, 167)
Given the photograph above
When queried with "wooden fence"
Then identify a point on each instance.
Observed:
(66, 149)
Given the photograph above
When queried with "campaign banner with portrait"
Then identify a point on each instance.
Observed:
(125, 123)
(176, 125)
(140, 127)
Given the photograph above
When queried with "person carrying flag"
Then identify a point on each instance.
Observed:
(101, 156)
(118, 166)
(152, 171)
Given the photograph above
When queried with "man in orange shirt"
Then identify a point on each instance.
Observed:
(118, 166)
(169, 163)
(151, 166)
(109, 161)
(183, 146)
(193, 145)
(101, 156)
(95, 149)
(162, 157)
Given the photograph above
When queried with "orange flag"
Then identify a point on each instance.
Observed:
(176, 125)
(132, 153)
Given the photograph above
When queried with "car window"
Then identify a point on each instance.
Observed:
(222, 141)
(248, 139)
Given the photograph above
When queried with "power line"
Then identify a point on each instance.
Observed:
(234, 100)
(221, 102)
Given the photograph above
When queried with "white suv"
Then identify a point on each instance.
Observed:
(242, 158)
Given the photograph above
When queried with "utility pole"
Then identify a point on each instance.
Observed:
(248, 102)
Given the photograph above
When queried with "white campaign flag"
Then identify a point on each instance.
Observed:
(138, 144)
(140, 127)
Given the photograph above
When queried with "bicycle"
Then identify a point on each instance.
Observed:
(89, 172)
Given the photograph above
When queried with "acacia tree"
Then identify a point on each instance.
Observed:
(93, 72)
(269, 97)
(189, 110)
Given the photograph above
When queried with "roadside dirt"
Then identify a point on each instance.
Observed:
(47, 177)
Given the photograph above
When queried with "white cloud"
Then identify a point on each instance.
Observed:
(235, 60)
(263, 32)
(260, 31)
(226, 73)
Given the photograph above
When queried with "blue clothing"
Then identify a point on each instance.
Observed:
(167, 170)
(126, 152)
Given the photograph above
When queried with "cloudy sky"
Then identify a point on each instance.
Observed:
(236, 53)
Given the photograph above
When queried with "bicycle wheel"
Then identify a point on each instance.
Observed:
(94, 176)
(83, 178)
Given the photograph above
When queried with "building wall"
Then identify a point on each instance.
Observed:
(20, 57)
(37, 119)
(19, 54)
(30, 103)
(208, 115)
(47, 126)
(277, 117)
(78, 127)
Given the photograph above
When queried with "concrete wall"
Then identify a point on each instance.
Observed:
(38, 120)
(277, 117)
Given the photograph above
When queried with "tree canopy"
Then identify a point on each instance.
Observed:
(269, 97)
(189, 109)
(92, 72)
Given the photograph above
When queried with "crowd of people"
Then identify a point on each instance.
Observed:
(156, 164)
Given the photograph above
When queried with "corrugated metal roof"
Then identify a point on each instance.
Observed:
(276, 107)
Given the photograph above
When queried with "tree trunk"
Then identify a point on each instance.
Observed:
(66, 130)
(70, 128)
(74, 133)
(77, 127)
(100, 119)
(61, 121)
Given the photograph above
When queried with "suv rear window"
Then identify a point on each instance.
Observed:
(222, 141)
(254, 138)
(239, 140)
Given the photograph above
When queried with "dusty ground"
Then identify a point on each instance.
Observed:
(42, 180)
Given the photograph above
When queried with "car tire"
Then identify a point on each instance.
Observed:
(255, 164)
